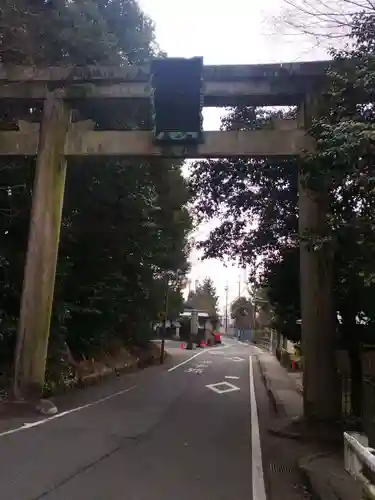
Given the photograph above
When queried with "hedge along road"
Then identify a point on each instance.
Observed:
(190, 431)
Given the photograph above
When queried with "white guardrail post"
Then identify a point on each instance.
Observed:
(357, 454)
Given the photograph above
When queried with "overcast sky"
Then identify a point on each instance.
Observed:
(235, 32)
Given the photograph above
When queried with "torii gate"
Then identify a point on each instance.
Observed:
(58, 139)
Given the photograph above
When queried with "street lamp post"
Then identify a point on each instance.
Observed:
(226, 310)
(164, 334)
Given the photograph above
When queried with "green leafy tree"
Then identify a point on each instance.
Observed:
(344, 160)
(242, 311)
(204, 298)
(257, 201)
(282, 285)
(124, 222)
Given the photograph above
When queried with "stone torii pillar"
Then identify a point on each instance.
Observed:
(253, 85)
(317, 304)
(41, 259)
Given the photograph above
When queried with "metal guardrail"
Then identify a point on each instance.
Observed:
(360, 462)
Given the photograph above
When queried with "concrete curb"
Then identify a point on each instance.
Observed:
(23, 407)
(277, 403)
(317, 488)
(281, 431)
(324, 485)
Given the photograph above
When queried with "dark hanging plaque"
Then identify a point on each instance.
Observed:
(177, 100)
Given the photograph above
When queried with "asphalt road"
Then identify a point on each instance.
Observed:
(165, 433)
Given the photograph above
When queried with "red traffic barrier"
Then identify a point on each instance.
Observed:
(182, 346)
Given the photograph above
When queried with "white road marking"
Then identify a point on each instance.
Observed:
(186, 361)
(232, 377)
(236, 359)
(259, 490)
(37, 423)
(216, 387)
(199, 371)
(192, 357)
(65, 413)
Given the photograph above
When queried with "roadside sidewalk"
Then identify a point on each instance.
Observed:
(317, 454)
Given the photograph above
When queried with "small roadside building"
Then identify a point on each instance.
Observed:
(205, 324)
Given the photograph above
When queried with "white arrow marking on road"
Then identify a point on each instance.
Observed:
(232, 377)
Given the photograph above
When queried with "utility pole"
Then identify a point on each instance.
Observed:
(226, 309)
(239, 287)
(164, 334)
(254, 313)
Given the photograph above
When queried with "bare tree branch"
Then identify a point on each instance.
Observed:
(321, 21)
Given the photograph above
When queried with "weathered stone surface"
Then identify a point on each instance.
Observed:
(257, 143)
(142, 73)
(227, 85)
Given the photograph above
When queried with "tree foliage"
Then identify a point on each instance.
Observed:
(242, 311)
(204, 298)
(281, 279)
(124, 222)
(257, 200)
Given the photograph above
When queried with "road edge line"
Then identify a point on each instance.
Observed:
(37, 423)
(186, 361)
(259, 489)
